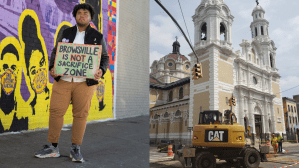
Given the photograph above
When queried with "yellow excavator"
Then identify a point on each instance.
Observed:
(219, 138)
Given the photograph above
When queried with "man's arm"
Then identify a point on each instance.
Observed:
(104, 57)
(53, 54)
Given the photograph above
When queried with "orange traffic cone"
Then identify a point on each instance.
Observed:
(170, 152)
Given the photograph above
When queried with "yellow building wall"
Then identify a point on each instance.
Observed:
(275, 89)
(205, 71)
(200, 99)
(225, 72)
(173, 79)
(175, 93)
(160, 96)
(170, 68)
(153, 95)
(279, 125)
(222, 101)
(186, 90)
(187, 70)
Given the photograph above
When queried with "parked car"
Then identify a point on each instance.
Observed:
(163, 145)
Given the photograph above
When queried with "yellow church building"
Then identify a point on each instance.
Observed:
(250, 75)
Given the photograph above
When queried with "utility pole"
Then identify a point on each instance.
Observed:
(177, 26)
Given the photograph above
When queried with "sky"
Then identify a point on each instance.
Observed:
(283, 18)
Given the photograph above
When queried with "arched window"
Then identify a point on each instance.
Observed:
(181, 93)
(170, 95)
(293, 120)
(156, 116)
(271, 60)
(255, 31)
(222, 32)
(178, 113)
(290, 120)
(166, 114)
(203, 32)
(292, 108)
(262, 30)
(289, 108)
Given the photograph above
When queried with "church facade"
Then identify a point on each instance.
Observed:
(249, 75)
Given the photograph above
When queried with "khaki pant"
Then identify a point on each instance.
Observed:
(62, 93)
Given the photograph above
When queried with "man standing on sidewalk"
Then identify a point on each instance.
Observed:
(274, 143)
(78, 90)
(279, 140)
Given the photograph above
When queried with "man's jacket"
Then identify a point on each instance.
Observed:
(279, 138)
(92, 37)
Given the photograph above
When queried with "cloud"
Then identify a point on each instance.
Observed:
(246, 13)
(287, 39)
(185, 48)
(154, 55)
(162, 31)
(264, 3)
(288, 83)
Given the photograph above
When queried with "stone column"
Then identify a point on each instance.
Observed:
(274, 60)
(241, 108)
(250, 114)
(248, 77)
(263, 83)
(270, 85)
(273, 124)
(239, 74)
(266, 121)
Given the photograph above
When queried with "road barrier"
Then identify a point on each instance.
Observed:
(170, 152)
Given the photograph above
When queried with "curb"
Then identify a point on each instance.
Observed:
(289, 165)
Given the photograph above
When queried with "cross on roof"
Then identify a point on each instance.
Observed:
(176, 37)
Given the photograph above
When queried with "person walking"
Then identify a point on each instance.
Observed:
(274, 143)
(279, 140)
(78, 90)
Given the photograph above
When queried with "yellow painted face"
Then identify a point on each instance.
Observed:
(9, 62)
(37, 64)
(9, 70)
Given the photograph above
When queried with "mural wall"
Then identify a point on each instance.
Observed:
(28, 32)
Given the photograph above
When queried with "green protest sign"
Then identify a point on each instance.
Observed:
(77, 60)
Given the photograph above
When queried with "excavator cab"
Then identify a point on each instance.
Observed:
(210, 117)
(215, 117)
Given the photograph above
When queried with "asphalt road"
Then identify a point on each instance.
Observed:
(119, 143)
(160, 159)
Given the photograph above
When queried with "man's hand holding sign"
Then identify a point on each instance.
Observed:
(77, 60)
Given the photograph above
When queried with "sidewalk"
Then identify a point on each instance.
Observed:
(111, 144)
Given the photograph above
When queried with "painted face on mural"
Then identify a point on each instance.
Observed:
(36, 63)
(9, 68)
(83, 17)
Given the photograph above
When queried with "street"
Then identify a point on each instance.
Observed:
(160, 159)
(110, 144)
